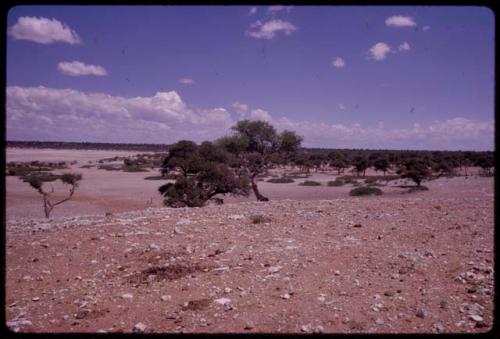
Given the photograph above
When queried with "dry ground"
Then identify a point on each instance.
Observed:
(411, 263)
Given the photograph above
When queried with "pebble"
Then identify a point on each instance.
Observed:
(439, 328)
(153, 247)
(223, 301)
(420, 313)
(285, 296)
(139, 328)
(379, 322)
(127, 296)
(475, 317)
(274, 269)
(227, 290)
(35, 299)
(166, 297)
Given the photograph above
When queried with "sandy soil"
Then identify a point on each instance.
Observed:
(397, 263)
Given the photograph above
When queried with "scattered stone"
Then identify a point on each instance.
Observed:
(166, 297)
(127, 296)
(438, 327)
(139, 328)
(236, 217)
(153, 247)
(35, 299)
(379, 322)
(389, 293)
(227, 290)
(421, 313)
(476, 318)
(357, 225)
(274, 269)
(336, 272)
(177, 231)
(285, 296)
(223, 301)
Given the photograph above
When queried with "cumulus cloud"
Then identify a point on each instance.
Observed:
(186, 81)
(273, 9)
(260, 114)
(252, 11)
(43, 30)
(338, 62)
(240, 109)
(452, 134)
(269, 29)
(101, 116)
(404, 47)
(400, 21)
(77, 68)
(379, 51)
(41, 113)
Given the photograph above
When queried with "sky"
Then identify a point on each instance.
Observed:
(376, 77)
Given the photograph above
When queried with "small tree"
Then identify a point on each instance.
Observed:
(255, 145)
(338, 161)
(361, 164)
(71, 179)
(381, 164)
(415, 169)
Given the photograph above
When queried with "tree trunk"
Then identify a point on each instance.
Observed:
(255, 189)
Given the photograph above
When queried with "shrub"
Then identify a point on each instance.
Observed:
(360, 191)
(310, 183)
(43, 177)
(87, 166)
(417, 189)
(370, 180)
(337, 182)
(283, 180)
(109, 167)
(259, 218)
(134, 168)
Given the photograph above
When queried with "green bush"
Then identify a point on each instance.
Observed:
(310, 183)
(134, 168)
(370, 180)
(283, 180)
(364, 190)
(336, 183)
(109, 167)
(43, 177)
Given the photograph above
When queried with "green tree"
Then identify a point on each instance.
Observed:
(361, 164)
(71, 179)
(338, 161)
(415, 169)
(381, 164)
(201, 174)
(255, 145)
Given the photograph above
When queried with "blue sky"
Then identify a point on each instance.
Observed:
(158, 74)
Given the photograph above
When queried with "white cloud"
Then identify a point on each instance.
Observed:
(101, 116)
(252, 11)
(186, 81)
(341, 107)
(379, 51)
(43, 31)
(400, 21)
(338, 62)
(77, 68)
(269, 29)
(240, 109)
(259, 114)
(40, 113)
(404, 47)
(426, 28)
(273, 9)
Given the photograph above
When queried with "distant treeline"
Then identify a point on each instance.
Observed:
(351, 153)
(88, 146)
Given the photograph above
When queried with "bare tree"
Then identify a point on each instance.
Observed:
(71, 179)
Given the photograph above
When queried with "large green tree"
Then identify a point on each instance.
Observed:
(255, 146)
(202, 173)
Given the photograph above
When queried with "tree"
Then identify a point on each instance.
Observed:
(255, 145)
(486, 161)
(201, 172)
(415, 169)
(381, 164)
(317, 160)
(71, 179)
(338, 161)
(361, 164)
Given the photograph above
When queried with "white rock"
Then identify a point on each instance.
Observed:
(153, 247)
(35, 299)
(227, 290)
(166, 297)
(236, 217)
(183, 221)
(336, 272)
(319, 329)
(306, 328)
(139, 328)
(285, 296)
(274, 269)
(379, 322)
(476, 317)
(127, 296)
(223, 301)
(177, 231)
